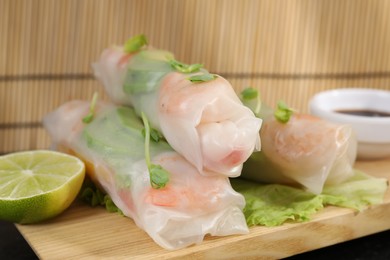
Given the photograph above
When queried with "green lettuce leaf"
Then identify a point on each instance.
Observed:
(145, 71)
(275, 204)
(93, 196)
(357, 193)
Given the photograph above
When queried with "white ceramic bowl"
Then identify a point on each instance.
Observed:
(373, 133)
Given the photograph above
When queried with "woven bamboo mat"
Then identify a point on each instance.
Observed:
(289, 50)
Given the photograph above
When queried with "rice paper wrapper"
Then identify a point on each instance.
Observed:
(205, 122)
(306, 151)
(181, 214)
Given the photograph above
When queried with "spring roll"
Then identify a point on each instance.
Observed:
(199, 113)
(305, 151)
(190, 206)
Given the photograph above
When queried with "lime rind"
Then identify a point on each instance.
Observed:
(24, 210)
(37, 185)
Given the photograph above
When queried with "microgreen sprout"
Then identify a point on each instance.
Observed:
(154, 134)
(283, 112)
(199, 78)
(135, 43)
(251, 98)
(159, 177)
(185, 68)
(89, 117)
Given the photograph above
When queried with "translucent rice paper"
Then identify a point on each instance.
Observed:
(306, 151)
(189, 207)
(205, 122)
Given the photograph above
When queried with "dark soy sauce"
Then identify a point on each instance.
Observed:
(363, 112)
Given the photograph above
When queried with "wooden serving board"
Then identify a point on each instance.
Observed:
(82, 232)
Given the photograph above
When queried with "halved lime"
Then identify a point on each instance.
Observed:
(37, 185)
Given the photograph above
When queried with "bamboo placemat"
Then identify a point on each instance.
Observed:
(289, 50)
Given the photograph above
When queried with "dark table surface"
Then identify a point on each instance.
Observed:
(377, 246)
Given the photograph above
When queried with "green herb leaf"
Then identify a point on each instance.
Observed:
(89, 117)
(154, 134)
(283, 112)
(159, 177)
(249, 93)
(250, 97)
(185, 68)
(202, 78)
(135, 44)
